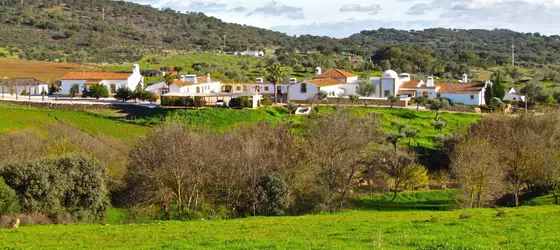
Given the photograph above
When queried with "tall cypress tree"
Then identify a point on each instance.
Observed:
(498, 87)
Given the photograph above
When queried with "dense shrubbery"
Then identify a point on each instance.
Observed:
(183, 101)
(240, 102)
(68, 187)
(9, 202)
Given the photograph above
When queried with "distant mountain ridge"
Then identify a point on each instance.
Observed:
(106, 31)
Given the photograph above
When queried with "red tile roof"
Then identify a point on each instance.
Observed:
(460, 88)
(323, 82)
(447, 87)
(335, 74)
(96, 76)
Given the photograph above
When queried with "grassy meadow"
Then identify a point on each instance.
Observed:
(18, 117)
(517, 228)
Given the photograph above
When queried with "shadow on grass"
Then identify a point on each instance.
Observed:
(439, 200)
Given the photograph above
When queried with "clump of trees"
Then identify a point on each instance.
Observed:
(508, 156)
(72, 187)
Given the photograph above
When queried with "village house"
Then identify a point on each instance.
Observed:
(30, 86)
(334, 82)
(511, 95)
(187, 84)
(255, 53)
(112, 80)
(463, 92)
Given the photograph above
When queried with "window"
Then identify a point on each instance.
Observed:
(163, 91)
(472, 97)
(257, 89)
(387, 93)
(266, 88)
(303, 88)
(113, 88)
(238, 88)
(197, 89)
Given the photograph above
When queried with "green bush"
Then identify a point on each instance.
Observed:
(240, 102)
(265, 101)
(124, 94)
(97, 91)
(72, 186)
(272, 195)
(8, 199)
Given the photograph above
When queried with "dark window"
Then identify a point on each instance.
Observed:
(303, 88)
(472, 97)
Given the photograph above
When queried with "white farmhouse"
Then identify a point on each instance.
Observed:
(112, 80)
(31, 86)
(255, 53)
(334, 82)
(511, 95)
(464, 92)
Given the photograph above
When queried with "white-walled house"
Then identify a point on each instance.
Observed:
(30, 85)
(255, 53)
(511, 95)
(464, 92)
(112, 80)
(192, 84)
(334, 82)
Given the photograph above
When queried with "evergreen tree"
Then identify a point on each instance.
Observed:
(489, 94)
(498, 87)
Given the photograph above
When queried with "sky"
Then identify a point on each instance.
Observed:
(344, 18)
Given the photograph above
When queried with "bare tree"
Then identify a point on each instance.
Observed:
(337, 154)
(476, 167)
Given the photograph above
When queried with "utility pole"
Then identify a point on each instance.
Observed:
(224, 43)
(512, 54)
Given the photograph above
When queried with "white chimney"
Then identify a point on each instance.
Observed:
(208, 80)
(318, 71)
(405, 77)
(465, 78)
(190, 78)
(259, 80)
(293, 80)
(430, 82)
(136, 69)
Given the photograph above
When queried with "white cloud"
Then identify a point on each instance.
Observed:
(333, 18)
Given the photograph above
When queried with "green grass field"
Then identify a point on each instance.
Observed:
(519, 228)
(16, 117)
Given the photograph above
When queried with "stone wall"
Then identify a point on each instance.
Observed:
(369, 102)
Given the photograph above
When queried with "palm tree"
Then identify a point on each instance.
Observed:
(274, 75)
(169, 79)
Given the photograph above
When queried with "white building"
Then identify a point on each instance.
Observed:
(511, 95)
(464, 92)
(256, 53)
(112, 80)
(334, 82)
(19, 85)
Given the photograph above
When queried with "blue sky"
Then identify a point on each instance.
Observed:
(343, 18)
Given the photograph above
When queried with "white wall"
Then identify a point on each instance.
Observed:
(333, 91)
(67, 84)
(478, 99)
(296, 95)
(352, 79)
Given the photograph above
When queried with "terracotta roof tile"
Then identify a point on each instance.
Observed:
(96, 76)
(182, 83)
(323, 82)
(335, 74)
(202, 79)
(460, 88)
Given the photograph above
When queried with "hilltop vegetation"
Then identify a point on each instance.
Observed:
(117, 31)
